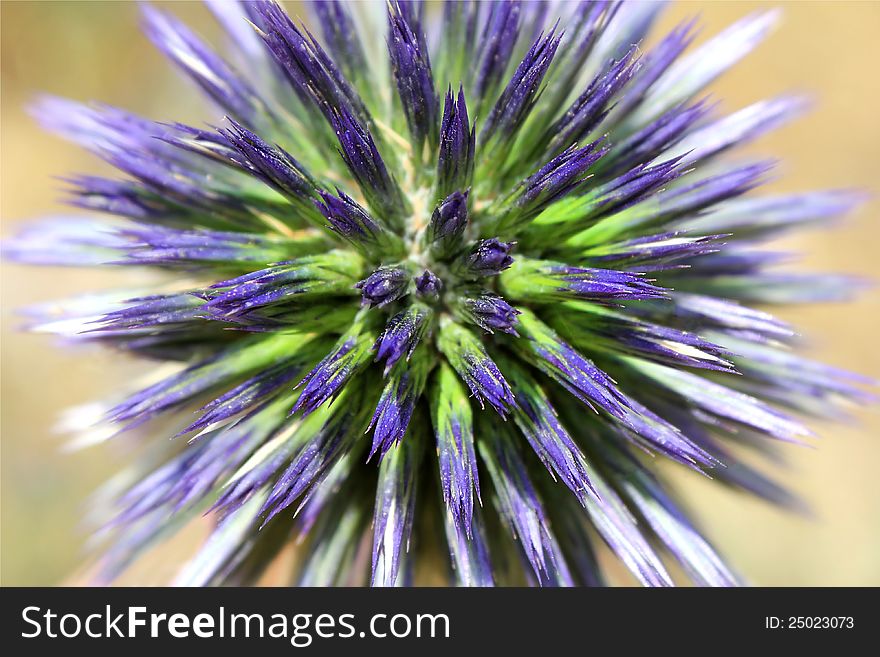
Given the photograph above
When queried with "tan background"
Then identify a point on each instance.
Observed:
(94, 51)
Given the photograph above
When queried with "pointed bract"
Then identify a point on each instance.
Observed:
(342, 259)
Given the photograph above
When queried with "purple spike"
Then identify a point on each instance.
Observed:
(580, 377)
(615, 523)
(159, 177)
(591, 107)
(349, 219)
(650, 431)
(689, 198)
(313, 461)
(521, 508)
(561, 175)
(486, 382)
(246, 396)
(328, 377)
(620, 331)
(467, 355)
(120, 197)
(469, 553)
(210, 144)
(784, 376)
(67, 241)
(219, 455)
(487, 258)
(455, 161)
(359, 151)
(453, 428)
(603, 284)
(655, 64)
(738, 128)
(768, 215)
(394, 512)
(723, 402)
(383, 286)
(491, 313)
(241, 489)
(411, 67)
(168, 246)
(497, 43)
(402, 335)
(786, 287)
(428, 286)
(634, 186)
(448, 223)
(738, 260)
(341, 36)
(218, 80)
(161, 488)
(569, 368)
(152, 311)
(583, 29)
(272, 165)
(391, 419)
(664, 343)
(518, 98)
(657, 137)
(173, 187)
(101, 128)
(311, 72)
(281, 282)
(730, 315)
(320, 494)
(183, 386)
(539, 423)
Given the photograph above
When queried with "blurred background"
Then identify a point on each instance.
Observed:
(95, 51)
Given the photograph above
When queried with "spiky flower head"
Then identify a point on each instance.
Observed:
(465, 281)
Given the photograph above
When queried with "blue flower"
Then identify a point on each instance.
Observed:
(517, 246)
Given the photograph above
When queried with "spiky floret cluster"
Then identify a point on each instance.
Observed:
(511, 244)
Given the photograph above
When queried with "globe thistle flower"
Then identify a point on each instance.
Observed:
(457, 287)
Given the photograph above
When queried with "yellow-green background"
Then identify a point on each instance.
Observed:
(95, 51)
